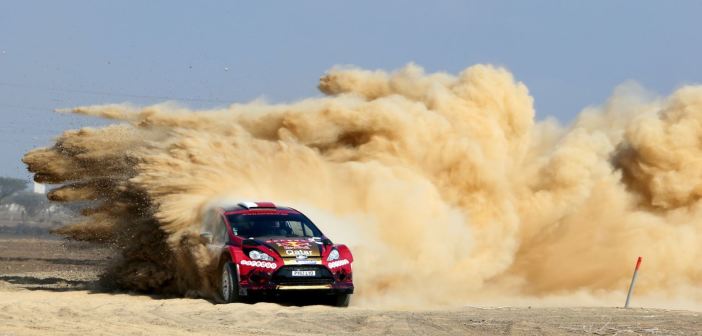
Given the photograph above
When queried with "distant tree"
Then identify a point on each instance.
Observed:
(9, 186)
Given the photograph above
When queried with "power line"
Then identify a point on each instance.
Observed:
(110, 94)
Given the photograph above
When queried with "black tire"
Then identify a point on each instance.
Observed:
(229, 283)
(341, 300)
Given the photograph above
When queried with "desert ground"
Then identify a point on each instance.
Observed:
(49, 286)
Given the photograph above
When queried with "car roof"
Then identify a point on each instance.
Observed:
(257, 207)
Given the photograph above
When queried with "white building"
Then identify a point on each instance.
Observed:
(39, 188)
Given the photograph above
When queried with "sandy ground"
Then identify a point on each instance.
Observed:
(49, 287)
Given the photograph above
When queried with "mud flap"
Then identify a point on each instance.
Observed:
(242, 291)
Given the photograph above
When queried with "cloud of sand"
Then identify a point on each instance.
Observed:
(444, 185)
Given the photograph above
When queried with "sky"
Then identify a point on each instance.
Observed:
(571, 54)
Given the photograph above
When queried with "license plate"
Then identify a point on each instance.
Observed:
(303, 273)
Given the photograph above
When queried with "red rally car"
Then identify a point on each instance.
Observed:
(265, 249)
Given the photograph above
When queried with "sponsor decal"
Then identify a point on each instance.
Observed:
(297, 248)
(338, 263)
(298, 253)
(306, 262)
(293, 244)
(258, 263)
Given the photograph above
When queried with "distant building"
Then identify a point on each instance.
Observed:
(39, 188)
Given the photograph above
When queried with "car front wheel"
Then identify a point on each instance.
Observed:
(229, 284)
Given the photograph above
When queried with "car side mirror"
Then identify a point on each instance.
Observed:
(206, 237)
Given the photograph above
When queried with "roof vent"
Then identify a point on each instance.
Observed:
(251, 205)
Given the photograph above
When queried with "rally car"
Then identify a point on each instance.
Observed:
(262, 249)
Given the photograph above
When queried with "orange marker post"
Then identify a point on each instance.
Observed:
(633, 282)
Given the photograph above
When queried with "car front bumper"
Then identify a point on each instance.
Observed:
(275, 289)
(280, 280)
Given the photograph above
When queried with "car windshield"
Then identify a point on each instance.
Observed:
(256, 226)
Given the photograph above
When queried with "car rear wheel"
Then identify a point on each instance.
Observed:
(229, 283)
(342, 300)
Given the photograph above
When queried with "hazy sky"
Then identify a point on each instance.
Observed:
(571, 54)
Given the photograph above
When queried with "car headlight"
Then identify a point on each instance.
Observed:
(333, 255)
(258, 255)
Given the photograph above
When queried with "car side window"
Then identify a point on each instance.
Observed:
(219, 236)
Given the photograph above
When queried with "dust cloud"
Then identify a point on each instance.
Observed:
(445, 187)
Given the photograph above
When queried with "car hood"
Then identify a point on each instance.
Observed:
(295, 247)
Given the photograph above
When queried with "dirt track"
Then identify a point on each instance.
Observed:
(49, 287)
